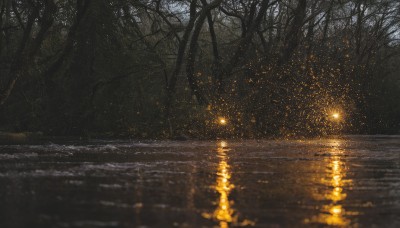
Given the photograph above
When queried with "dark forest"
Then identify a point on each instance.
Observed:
(201, 68)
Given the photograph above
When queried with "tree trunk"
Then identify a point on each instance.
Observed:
(292, 38)
(193, 51)
(179, 60)
(20, 62)
(216, 62)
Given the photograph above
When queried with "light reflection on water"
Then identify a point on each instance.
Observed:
(334, 213)
(348, 182)
(224, 214)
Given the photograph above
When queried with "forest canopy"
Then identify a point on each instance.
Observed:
(200, 68)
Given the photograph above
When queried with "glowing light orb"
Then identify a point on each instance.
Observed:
(223, 144)
(335, 115)
(222, 121)
(336, 210)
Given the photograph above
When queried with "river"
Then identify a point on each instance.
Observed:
(347, 181)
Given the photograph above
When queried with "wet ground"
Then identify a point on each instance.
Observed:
(350, 181)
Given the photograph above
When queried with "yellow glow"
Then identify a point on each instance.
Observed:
(336, 210)
(336, 181)
(223, 144)
(336, 115)
(333, 214)
(224, 214)
(335, 166)
(222, 121)
(223, 225)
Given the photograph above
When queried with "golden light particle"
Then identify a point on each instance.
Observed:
(335, 115)
(222, 121)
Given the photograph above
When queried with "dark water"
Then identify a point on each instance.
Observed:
(352, 181)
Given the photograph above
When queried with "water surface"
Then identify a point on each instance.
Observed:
(350, 181)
